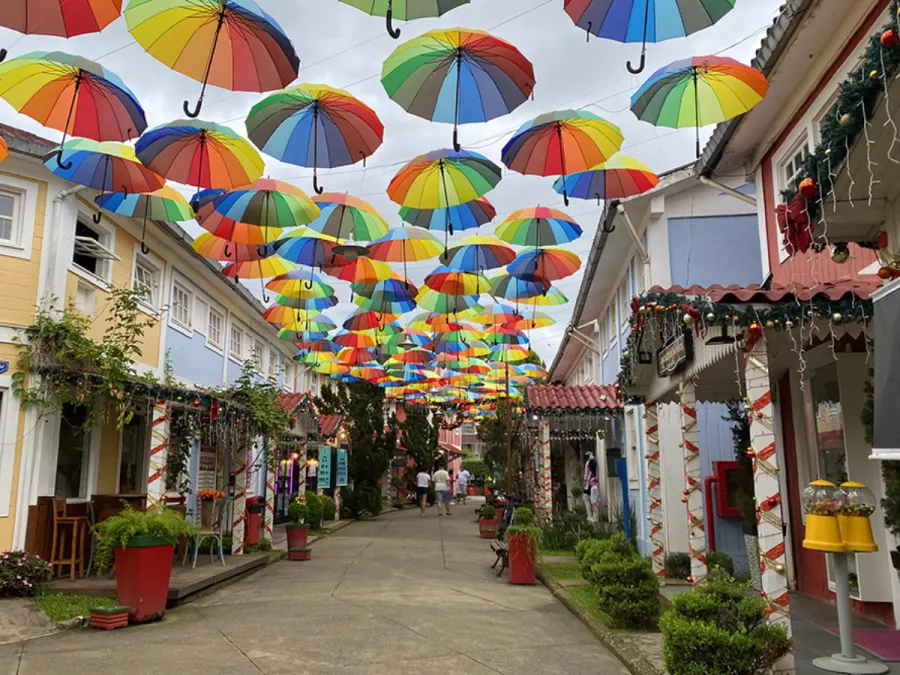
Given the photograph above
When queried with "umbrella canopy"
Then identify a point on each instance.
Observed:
(544, 265)
(231, 44)
(364, 320)
(332, 368)
(562, 142)
(440, 303)
(391, 296)
(478, 253)
(234, 230)
(314, 125)
(71, 94)
(367, 290)
(443, 178)
(62, 18)
(216, 248)
(458, 76)
(301, 284)
(645, 20)
(697, 92)
(512, 288)
(404, 244)
(361, 271)
(445, 280)
(466, 216)
(347, 217)
(497, 314)
(357, 340)
(4, 149)
(539, 226)
(268, 203)
(258, 269)
(618, 178)
(550, 298)
(306, 247)
(404, 10)
(368, 371)
(417, 355)
(106, 166)
(306, 304)
(163, 204)
(282, 316)
(203, 154)
(354, 356)
(532, 321)
(317, 323)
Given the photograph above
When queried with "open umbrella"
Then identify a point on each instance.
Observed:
(458, 76)
(479, 253)
(316, 126)
(107, 167)
(537, 227)
(232, 44)
(445, 280)
(466, 216)
(645, 20)
(354, 356)
(508, 287)
(697, 92)
(258, 269)
(280, 315)
(441, 303)
(234, 230)
(62, 18)
(497, 314)
(532, 321)
(367, 320)
(404, 244)
(306, 304)
(562, 142)
(390, 296)
(71, 94)
(360, 271)
(550, 298)
(301, 284)
(404, 10)
(356, 340)
(618, 178)
(163, 204)
(309, 248)
(544, 264)
(216, 248)
(347, 217)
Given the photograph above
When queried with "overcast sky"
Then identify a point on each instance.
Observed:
(340, 46)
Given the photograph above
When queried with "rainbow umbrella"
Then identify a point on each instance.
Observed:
(403, 244)
(345, 216)
(231, 44)
(314, 125)
(301, 284)
(451, 282)
(508, 287)
(216, 248)
(332, 368)
(508, 354)
(466, 216)
(504, 335)
(306, 247)
(697, 92)
(361, 271)
(497, 314)
(367, 290)
(562, 142)
(62, 18)
(440, 303)
(458, 76)
(106, 167)
(404, 10)
(390, 296)
(357, 340)
(318, 323)
(281, 315)
(618, 178)
(311, 356)
(478, 253)
(267, 202)
(539, 226)
(163, 204)
(258, 269)
(354, 356)
(306, 304)
(550, 298)
(304, 337)
(368, 371)
(203, 154)
(4, 149)
(533, 321)
(533, 370)
(417, 355)
(544, 265)
(364, 320)
(233, 230)
(645, 20)
(203, 197)
(72, 94)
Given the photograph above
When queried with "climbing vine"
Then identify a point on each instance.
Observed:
(185, 429)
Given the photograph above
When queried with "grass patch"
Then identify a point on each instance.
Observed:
(586, 598)
(64, 606)
(550, 553)
(562, 571)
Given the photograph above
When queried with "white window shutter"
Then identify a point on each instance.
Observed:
(201, 315)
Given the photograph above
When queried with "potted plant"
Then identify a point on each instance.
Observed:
(298, 529)
(208, 498)
(521, 538)
(487, 524)
(302, 554)
(142, 543)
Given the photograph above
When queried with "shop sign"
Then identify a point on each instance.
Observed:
(4, 366)
(675, 354)
(324, 474)
(340, 476)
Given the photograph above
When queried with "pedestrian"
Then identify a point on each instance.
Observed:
(462, 485)
(423, 480)
(441, 480)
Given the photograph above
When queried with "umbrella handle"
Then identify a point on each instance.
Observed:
(641, 65)
(2, 55)
(227, 252)
(588, 31)
(192, 113)
(597, 194)
(144, 248)
(456, 145)
(393, 32)
(65, 166)
(318, 188)
(262, 249)
(308, 284)
(97, 217)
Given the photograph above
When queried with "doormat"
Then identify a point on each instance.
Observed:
(884, 643)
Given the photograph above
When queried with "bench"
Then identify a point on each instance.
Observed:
(499, 545)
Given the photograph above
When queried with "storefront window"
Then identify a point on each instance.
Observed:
(135, 447)
(826, 398)
(72, 458)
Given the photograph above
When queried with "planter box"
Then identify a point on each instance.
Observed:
(297, 536)
(487, 528)
(109, 618)
(302, 555)
(207, 510)
(522, 559)
(143, 570)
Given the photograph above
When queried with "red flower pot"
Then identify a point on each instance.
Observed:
(487, 528)
(297, 536)
(109, 618)
(300, 555)
(521, 559)
(499, 509)
(143, 570)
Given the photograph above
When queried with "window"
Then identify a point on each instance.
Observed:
(289, 376)
(611, 334)
(135, 446)
(181, 306)
(200, 318)
(794, 164)
(92, 252)
(147, 276)
(10, 221)
(85, 298)
(589, 367)
(215, 329)
(259, 355)
(236, 350)
(73, 454)
(829, 424)
(273, 363)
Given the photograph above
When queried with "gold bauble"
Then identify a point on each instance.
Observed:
(789, 324)
(688, 320)
(846, 120)
(770, 324)
(710, 317)
(837, 318)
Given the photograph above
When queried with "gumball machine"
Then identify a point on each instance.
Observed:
(822, 501)
(853, 518)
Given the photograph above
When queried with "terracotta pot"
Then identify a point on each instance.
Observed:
(143, 570)
(487, 528)
(109, 618)
(297, 536)
(522, 558)
(300, 555)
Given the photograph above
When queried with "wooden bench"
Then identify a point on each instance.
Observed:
(501, 550)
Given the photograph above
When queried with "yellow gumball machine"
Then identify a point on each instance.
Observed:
(853, 518)
(822, 501)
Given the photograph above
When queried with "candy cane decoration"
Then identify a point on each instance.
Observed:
(159, 450)
(270, 503)
(693, 478)
(301, 469)
(654, 490)
(770, 520)
(544, 496)
(239, 515)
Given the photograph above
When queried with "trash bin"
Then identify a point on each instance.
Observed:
(256, 507)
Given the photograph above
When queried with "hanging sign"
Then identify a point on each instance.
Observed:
(675, 354)
(324, 472)
(340, 476)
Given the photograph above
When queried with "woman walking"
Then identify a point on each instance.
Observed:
(441, 481)
(423, 480)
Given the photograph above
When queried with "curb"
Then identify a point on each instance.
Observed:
(630, 656)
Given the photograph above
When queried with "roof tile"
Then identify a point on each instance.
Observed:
(579, 397)
(329, 424)
(828, 290)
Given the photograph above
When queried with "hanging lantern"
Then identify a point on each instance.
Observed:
(853, 517)
(822, 501)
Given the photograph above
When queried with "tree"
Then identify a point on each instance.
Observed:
(492, 432)
(332, 401)
(419, 436)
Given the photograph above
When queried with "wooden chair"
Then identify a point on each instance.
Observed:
(213, 535)
(76, 527)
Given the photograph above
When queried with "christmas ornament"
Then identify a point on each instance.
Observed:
(890, 38)
(770, 325)
(710, 317)
(874, 75)
(837, 317)
(755, 329)
(793, 221)
(846, 120)
(840, 254)
(808, 188)
(789, 324)
(885, 273)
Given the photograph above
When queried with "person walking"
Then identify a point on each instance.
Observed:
(423, 481)
(441, 480)
(462, 485)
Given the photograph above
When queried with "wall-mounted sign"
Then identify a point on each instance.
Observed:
(4, 366)
(340, 474)
(324, 474)
(675, 354)
(399, 461)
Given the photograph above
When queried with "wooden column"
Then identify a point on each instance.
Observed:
(656, 515)
(544, 493)
(159, 450)
(693, 479)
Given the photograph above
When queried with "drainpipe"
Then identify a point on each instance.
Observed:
(51, 266)
(708, 484)
(638, 242)
(706, 180)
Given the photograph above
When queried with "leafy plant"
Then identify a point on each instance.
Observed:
(22, 574)
(298, 511)
(721, 561)
(492, 432)
(745, 491)
(488, 512)
(118, 530)
(356, 502)
(626, 585)
(568, 528)
(591, 551)
(420, 437)
(477, 467)
(678, 566)
(329, 508)
(314, 510)
(261, 398)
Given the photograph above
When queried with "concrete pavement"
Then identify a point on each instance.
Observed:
(398, 595)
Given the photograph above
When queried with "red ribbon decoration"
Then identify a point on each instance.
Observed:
(793, 221)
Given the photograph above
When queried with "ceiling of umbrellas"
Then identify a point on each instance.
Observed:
(461, 338)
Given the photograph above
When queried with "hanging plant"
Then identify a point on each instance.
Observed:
(184, 430)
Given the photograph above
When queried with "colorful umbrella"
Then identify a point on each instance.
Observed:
(479, 253)
(364, 320)
(537, 227)
(347, 217)
(544, 265)
(4, 149)
(618, 178)
(356, 340)
(203, 154)
(497, 314)
(645, 20)
(509, 287)
(361, 271)
(306, 304)
(332, 368)
(301, 284)
(258, 269)
(315, 126)
(107, 167)
(306, 247)
(504, 335)
(354, 356)
(216, 248)
(368, 289)
(451, 282)
(560, 143)
(281, 316)
(390, 296)
(466, 216)
(549, 298)
(368, 371)
(62, 18)
(233, 230)
(231, 44)
(71, 94)
(404, 10)
(404, 244)
(163, 204)
(440, 303)
(317, 323)
(203, 197)
(458, 76)
(533, 321)
(697, 92)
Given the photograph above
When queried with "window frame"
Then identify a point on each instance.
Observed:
(174, 321)
(156, 267)
(236, 356)
(611, 326)
(15, 228)
(273, 363)
(27, 192)
(259, 354)
(106, 241)
(218, 347)
(632, 445)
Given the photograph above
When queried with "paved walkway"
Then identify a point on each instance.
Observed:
(401, 595)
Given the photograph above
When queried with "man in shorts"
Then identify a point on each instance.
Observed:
(423, 480)
(462, 485)
(441, 480)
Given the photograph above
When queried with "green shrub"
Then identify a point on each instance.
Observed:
(488, 512)
(298, 512)
(627, 589)
(590, 551)
(567, 529)
(371, 501)
(580, 509)
(22, 574)
(718, 629)
(118, 530)
(523, 516)
(678, 566)
(329, 508)
(314, 510)
(720, 560)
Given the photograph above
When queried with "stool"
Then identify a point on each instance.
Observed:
(78, 525)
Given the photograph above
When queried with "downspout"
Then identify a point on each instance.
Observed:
(708, 492)
(706, 180)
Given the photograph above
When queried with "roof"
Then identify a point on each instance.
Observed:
(26, 142)
(452, 449)
(329, 424)
(290, 402)
(829, 290)
(580, 397)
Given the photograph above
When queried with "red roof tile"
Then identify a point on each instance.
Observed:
(581, 397)
(329, 424)
(829, 290)
(290, 402)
